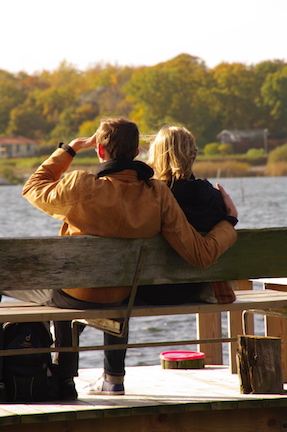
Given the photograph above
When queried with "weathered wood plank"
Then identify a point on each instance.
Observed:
(257, 299)
(243, 420)
(208, 399)
(87, 261)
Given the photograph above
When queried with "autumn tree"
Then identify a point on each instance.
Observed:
(171, 92)
(262, 70)
(11, 95)
(58, 105)
(106, 88)
(234, 95)
(27, 120)
(274, 94)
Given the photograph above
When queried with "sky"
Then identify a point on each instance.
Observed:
(37, 35)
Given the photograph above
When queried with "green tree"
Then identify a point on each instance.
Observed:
(26, 120)
(60, 104)
(235, 94)
(149, 90)
(11, 95)
(190, 81)
(106, 90)
(70, 121)
(274, 94)
(88, 128)
(171, 92)
(262, 71)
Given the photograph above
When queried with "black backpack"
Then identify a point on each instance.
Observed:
(28, 377)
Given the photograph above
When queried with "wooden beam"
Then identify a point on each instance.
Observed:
(226, 420)
(89, 261)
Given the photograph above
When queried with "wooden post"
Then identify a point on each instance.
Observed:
(259, 365)
(235, 325)
(209, 326)
(277, 327)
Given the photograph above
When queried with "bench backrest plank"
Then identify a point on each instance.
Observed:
(88, 261)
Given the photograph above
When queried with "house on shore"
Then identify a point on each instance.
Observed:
(17, 147)
(244, 139)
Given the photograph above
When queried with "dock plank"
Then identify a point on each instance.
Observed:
(150, 391)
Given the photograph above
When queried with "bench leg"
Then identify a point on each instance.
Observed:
(209, 326)
(235, 326)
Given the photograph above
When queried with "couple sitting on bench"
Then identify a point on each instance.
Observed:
(129, 199)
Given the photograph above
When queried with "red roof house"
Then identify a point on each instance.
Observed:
(17, 146)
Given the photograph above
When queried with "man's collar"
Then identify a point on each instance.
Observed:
(144, 171)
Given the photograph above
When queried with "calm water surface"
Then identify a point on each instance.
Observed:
(261, 203)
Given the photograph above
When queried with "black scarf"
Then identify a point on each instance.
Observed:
(116, 165)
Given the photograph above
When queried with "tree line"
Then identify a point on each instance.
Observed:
(51, 106)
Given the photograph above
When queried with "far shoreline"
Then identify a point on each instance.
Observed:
(17, 171)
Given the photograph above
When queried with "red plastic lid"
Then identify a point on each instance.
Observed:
(181, 355)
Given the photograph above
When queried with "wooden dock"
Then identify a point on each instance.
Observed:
(156, 400)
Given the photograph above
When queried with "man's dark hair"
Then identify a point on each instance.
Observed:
(120, 137)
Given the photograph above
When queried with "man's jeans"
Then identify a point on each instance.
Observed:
(114, 360)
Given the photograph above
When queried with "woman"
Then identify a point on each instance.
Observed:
(172, 155)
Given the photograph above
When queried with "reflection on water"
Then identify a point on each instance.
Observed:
(261, 203)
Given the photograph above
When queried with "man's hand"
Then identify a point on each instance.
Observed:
(83, 143)
(230, 207)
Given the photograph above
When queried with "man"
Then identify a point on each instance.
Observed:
(120, 200)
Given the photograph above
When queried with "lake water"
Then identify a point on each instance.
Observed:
(261, 203)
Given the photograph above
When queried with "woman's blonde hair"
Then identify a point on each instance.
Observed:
(172, 153)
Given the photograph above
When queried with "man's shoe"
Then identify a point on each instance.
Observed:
(67, 389)
(104, 387)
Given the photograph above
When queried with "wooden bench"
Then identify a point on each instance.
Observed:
(88, 261)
